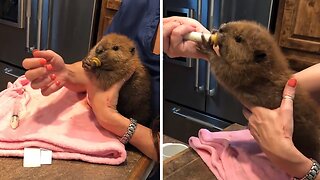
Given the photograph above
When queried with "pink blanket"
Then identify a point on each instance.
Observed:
(61, 122)
(234, 155)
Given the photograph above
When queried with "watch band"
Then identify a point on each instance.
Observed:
(313, 172)
(131, 129)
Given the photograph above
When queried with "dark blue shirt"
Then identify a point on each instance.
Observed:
(139, 19)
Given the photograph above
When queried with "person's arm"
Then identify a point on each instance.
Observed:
(104, 103)
(76, 79)
(142, 138)
(273, 129)
(309, 79)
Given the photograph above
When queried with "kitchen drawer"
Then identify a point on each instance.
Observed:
(8, 73)
(181, 123)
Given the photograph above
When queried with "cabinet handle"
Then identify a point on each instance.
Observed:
(200, 119)
(39, 18)
(28, 17)
(9, 71)
(198, 87)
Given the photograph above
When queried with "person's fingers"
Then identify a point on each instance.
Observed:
(31, 63)
(176, 40)
(253, 131)
(52, 58)
(177, 19)
(248, 105)
(178, 33)
(126, 78)
(115, 88)
(53, 87)
(167, 30)
(246, 113)
(46, 54)
(167, 19)
(33, 74)
(187, 21)
(41, 82)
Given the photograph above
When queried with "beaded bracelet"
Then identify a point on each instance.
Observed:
(131, 129)
(313, 172)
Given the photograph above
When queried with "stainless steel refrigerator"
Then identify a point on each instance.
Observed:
(66, 26)
(192, 99)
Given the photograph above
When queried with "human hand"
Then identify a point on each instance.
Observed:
(273, 129)
(174, 29)
(104, 103)
(46, 71)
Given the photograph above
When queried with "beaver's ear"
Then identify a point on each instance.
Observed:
(133, 51)
(259, 56)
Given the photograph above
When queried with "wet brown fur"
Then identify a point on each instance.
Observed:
(119, 57)
(255, 71)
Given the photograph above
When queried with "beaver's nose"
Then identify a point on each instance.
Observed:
(99, 49)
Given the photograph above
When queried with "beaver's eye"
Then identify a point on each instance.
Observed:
(115, 48)
(238, 39)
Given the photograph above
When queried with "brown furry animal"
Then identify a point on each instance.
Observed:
(119, 57)
(254, 70)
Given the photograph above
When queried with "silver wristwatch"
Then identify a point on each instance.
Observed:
(313, 172)
(131, 129)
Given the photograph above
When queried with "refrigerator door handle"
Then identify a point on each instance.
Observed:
(49, 26)
(211, 14)
(198, 88)
(213, 90)
(40, 9)
(210, 92)
(28, 17)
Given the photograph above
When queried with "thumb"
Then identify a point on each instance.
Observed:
(286, 107)
(288, 95)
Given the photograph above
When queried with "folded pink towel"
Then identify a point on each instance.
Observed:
(234, 155)
(62, 122)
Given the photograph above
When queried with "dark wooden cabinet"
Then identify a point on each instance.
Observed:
(108, 10)
(298, 32)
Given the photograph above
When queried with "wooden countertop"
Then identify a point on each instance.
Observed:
(189, 164)
(137, 166)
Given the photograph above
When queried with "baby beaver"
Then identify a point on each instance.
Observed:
(252, 67)
(111, 61)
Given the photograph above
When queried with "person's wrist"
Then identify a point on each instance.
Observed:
(290, 159)
(130, 131)
(116, 123)
(313, 171)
